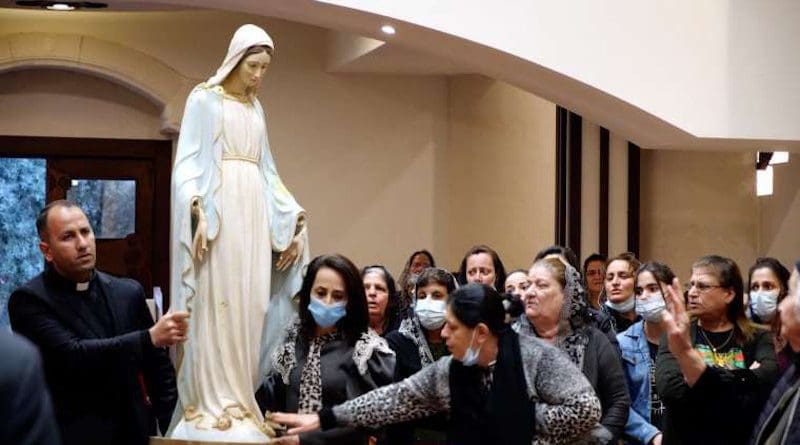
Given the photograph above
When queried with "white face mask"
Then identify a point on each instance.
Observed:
(430, 312)
(625, 306)
(471, 355)
(764, 304)
(651, 308)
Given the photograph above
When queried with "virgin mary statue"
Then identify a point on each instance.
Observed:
(239, 244)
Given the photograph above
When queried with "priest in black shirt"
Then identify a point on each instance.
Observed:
(110, 378)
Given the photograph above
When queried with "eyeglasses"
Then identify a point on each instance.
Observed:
(700, 286)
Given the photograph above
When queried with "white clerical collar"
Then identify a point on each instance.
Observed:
(80, 287)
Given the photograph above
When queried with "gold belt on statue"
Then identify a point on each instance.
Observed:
(230, 157)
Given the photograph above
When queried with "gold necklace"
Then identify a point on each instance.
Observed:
(719, 361)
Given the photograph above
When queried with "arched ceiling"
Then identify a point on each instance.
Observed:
(721, 75)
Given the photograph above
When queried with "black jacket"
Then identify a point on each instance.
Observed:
(602, 366)
(789, 381)
(105, 389)
(25, 405)
(723, 405)
(408, 363)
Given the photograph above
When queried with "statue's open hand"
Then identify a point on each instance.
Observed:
(291, 255)
(200, 241)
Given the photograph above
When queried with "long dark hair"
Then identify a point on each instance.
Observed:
(782, 274)
(729, 276)
(393, 306)
(661, 272)
(478, 303)
(499, 269)
(356, 321)
(403, 284)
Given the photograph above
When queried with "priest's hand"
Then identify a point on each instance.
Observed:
(297, 423)
(169, 329)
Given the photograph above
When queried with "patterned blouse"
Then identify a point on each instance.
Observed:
(566, 406)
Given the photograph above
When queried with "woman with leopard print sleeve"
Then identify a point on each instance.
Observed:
(495, 388)
(329, 355)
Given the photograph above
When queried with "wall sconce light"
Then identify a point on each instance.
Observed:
(764, 172)
(764, 181)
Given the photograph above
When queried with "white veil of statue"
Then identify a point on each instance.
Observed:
(239, 300)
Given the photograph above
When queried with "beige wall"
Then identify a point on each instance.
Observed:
(498, 172)
(384, 164)
(389, 164)
(63, 103)
(697, 203)
(357, 151)
(779, 214)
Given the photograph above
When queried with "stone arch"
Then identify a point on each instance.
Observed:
(126, 66)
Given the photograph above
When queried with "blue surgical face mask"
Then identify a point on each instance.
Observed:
(651, 308)
(326, 315)
(471, 356)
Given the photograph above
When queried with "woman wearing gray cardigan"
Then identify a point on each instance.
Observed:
(495, 388)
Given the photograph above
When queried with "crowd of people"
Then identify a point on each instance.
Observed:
(616, 351)
(607, 351)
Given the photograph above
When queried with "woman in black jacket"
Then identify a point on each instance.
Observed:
(555, 312)
(715, 370)
(780, 420)
(419, 343)
(496, 387)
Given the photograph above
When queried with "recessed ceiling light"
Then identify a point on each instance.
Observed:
(388, 29)
(60, 7)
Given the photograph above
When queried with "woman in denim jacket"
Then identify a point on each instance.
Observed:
(639, 346)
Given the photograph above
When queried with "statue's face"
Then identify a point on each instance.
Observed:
(252, 68)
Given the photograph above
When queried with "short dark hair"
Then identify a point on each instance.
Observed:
(592, 258)
(564, 251)
(478, 303)
(41, 219)
(393, 308)
(499, 269)
(661, 272)
(438, 276)
(356, 321)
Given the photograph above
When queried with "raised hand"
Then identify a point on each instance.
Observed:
(676, 320)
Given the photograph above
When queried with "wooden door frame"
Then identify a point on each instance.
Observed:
(159, 151)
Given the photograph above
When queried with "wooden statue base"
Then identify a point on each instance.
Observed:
(164, 441)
